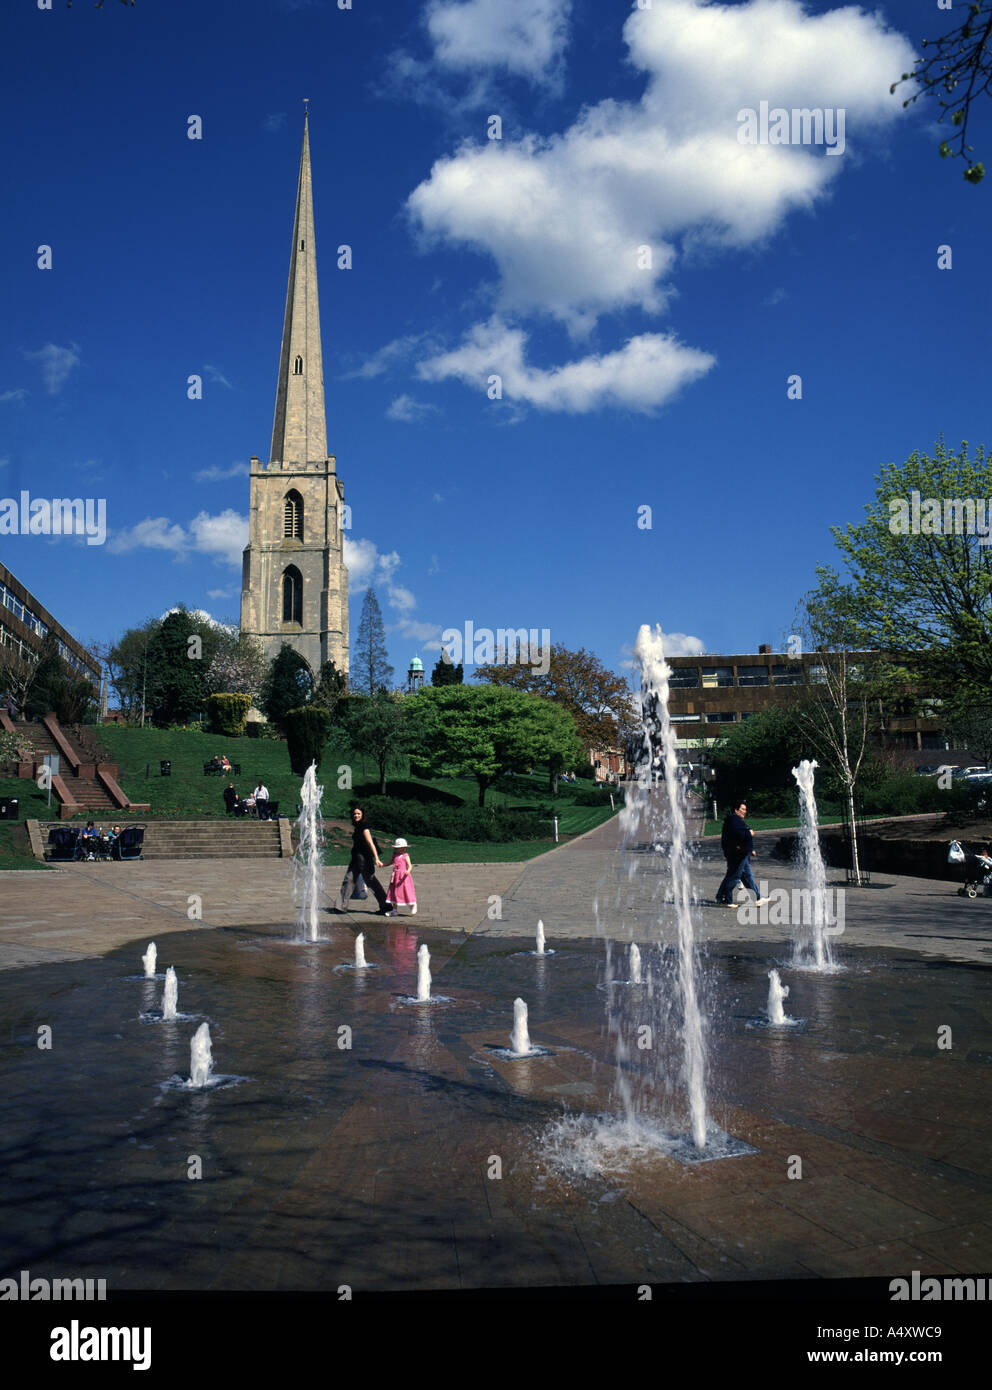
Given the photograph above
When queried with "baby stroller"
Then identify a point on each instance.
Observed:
(976, 868)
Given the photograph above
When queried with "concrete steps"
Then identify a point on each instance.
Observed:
(199, 839)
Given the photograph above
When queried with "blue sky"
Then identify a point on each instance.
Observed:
(625, 383)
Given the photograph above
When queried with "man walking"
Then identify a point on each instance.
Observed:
(363, 862)
(737, 844)
(261, 795)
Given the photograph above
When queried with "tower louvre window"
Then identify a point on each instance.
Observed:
(303, 245)
(298, 367)
(292, 595)
(292, 516)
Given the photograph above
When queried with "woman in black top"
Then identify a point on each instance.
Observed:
(364, 860)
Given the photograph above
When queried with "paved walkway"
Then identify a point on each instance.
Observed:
(89, 909)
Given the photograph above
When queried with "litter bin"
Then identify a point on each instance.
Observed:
(165, 768)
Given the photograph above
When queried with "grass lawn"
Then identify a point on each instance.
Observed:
(15, 850)
(432, 851)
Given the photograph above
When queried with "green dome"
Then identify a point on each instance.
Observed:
(416, 664)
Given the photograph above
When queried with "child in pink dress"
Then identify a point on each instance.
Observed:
(401, 889)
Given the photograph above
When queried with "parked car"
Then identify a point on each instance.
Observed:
(935, 769)
(981, 779)
(967, 772)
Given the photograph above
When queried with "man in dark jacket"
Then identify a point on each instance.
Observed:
(737, 844)
(230, 799)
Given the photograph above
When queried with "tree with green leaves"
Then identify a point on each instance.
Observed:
(332, 686)
(483, 731)
(597, 698)
(923, 591)
(377, 727)
(957, 70)
(306, 734)
(370, 669)
(126, 661)
(179, 652)
(288, 684)
(57, 688)
(446, 672)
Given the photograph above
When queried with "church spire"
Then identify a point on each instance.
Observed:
(299, 432)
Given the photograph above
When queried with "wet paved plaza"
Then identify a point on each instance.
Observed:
(414, 1159)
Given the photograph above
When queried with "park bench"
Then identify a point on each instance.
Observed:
(233, 771)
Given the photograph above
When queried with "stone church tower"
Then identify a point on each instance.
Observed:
(294, 585)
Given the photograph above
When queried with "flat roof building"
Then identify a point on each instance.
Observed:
(25, 622)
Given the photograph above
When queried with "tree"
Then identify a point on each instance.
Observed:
(969, 724)
(238, 666)
(446, 672)
(757, 756)
(179, 653)
(332, 686)
(483, 731)
(597, 698)
(306, 733)
(287, 685)
(377, 726)
(960, 58)
(57, 688)
(17, 674)
(927, 596)
(371, 670)
(127, 668)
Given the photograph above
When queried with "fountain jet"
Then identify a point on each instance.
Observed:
(360, 962)
(635, 964)
(520, 1043)
(201, 1060)
(309, 856)
(776, 993)
(423, 975)
(148, 960)
(540, 937)
(170, 995)
(812, 858)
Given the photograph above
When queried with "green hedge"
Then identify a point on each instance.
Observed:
(387, 815)
(226, 713)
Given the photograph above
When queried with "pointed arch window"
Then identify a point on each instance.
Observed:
(292, 595)
(292, 516)
(298, 367)
(303, 245)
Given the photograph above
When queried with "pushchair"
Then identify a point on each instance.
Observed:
(976, 869)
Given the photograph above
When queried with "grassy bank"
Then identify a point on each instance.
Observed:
(15, 849)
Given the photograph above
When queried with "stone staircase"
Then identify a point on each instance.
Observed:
(195, 839)
(83, 784)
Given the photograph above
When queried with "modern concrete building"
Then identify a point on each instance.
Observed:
(709, 692)
(294, 585)
(25, 621)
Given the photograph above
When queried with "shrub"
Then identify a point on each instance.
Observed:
(585, 772)
(227, 712)
(390, 815)
(595, 798)
(306, 733)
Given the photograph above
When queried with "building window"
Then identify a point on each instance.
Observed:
(292, 596)
(721, 718)
(686, 718)
(684, 678)
(817, 675)
(292, 516)
(752, 675)
(303, 245)
(298, 367)
(788, 675)
(714, 676)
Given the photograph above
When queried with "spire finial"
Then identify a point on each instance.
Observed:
(306, 107)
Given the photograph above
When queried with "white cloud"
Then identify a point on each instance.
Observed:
(202, 616)
(223, 537)
(408, 410)
(274, 122)
(385, 357)
(565, 219)
(366, 566)
(526, 37)
(16, 394)
(154, 533)
(216, 375)
(56, 364)
(220, 475)
(647, 371)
